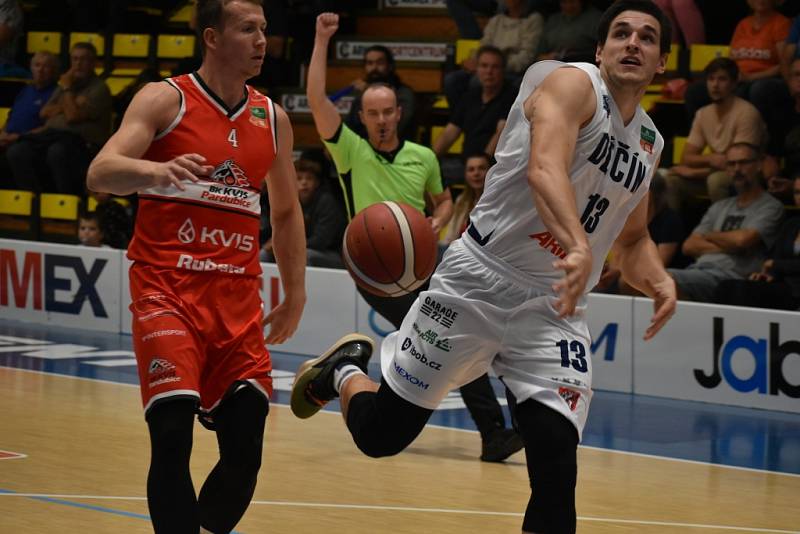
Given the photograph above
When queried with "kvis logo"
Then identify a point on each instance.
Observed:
(768, 373)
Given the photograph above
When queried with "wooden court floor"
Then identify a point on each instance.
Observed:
(87, 451)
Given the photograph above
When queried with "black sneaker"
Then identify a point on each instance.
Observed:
(501, 445)
(313, 382)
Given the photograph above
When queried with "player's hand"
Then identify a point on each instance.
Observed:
(665, 297)
(283, 320)
(436, 226)
(327, 24)
(188, 167)
(577, 266)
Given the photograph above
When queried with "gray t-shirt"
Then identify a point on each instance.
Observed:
(764, 215)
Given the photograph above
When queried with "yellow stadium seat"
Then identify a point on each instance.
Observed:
(16, 214)
(175, 46)
(95, 38)
(465, 48)
(458, 145)
(131, 45)
(44, 42)
(15, 202)
(62, 207)
(672, 59)
(678, 144)
(184, 14)
(441, 102)
(701, 55)
(117, 84)
(91, 203)
(126, 71)
(4, 115)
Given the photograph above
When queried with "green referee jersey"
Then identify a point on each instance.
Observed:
(369, 176)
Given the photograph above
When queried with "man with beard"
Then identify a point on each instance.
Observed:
(727, 120)
(732, 238)
(379, 67)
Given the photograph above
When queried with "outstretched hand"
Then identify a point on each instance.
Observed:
(664, 301)
(577, 265)
(327, 24)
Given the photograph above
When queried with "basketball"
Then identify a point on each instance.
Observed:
(389, 249)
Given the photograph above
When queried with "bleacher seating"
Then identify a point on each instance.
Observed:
(96, 39)
(58, 217)
(701, 55)
(17, 214)
(43, 42)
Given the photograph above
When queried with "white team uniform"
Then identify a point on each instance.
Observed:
(492, 294)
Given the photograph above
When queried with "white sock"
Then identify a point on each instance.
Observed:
(343, 374)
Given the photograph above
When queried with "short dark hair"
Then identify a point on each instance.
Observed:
(87, 215)
(312, 167)
(484, 155)
(383, 50)
(490, 49)
(85, 45)
(210, 14)
(722, 64)
(756, 150)
(643, 6)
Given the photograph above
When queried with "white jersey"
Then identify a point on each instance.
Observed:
(610, 173)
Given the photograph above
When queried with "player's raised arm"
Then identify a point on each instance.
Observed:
(289, 237)
(326, 117)
(118, 168)
(556, 111)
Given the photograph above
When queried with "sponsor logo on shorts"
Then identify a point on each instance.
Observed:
(186, 261)
(409, 347)
(411, 378)
(161, 371)
(441, 314)
(570, 397)
(162, 333)
(431, 337)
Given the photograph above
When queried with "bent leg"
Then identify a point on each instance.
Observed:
(227, 492)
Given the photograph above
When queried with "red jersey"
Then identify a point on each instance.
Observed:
(214, 224)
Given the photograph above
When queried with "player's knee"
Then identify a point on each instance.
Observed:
(170, 424)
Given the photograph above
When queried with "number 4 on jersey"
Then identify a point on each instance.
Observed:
(232, 139)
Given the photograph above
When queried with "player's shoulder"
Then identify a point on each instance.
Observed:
(156, 99)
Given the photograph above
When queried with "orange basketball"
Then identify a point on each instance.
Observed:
(389, 249)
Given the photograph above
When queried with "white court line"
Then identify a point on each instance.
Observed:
(329, 412)
(417, 509)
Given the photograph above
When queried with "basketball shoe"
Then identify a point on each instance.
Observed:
(313, 382)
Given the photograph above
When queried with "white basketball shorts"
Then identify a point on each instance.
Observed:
(473, 317)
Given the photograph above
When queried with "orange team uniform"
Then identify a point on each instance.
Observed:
(195, 280)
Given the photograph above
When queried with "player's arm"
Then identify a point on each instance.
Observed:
(693, 157)
(288, 236)
(492, 144)
(442, 210)
(556, 111)
(446, 139)
(119, 169)
(326, 117)
(640, 263)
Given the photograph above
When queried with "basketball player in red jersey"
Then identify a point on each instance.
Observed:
(195, 148)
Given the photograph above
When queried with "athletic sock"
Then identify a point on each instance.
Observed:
(343, 374)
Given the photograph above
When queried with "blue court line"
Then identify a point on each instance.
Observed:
(90, 507)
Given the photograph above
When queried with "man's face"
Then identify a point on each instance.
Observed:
(242, 43)
(720, 85)
(632, 54)
(490, 70)
(743, 166)
(376, 66)
(380, 114)
(475, 172)
(89, 233)
(82, 62)
(43, 69)
(307, 185)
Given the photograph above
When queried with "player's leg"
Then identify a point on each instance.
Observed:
(170, 494)
(497, 441)
(551, 444)
(239, 422)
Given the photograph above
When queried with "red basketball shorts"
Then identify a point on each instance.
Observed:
(197, 334)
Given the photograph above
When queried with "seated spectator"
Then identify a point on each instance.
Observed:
(777, 284)
(731, 240)
(77, 123)
(516, 33)
(379, 67)
(570, 34)
(89, 231)
(481, 112)
(462, 13)
(726, 121)
(686, 21)
(10, 36)
(475, 168)
(115, 221)
(325, 219)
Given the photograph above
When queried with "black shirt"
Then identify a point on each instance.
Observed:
(478, 120)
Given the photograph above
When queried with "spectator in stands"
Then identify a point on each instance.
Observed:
(731, 240)
(792, 140)
(481, 112)
(571, 34)
(325, 220)
(379, 67)
(10, 36)
(89, 232)
(686, 19)
(24, 116)
(777, 284)
(726, 121)
(516, 32)
(463, 14)
(475, 168)
(77, 123)
(116, 223)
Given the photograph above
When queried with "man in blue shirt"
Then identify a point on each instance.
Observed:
(24, 116)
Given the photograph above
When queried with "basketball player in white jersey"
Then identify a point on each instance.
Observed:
(574, 163)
